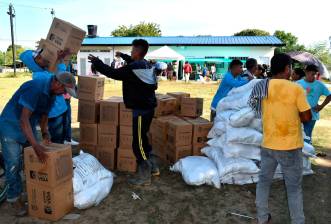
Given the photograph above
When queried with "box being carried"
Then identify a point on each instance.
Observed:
(90, 88)
(56, 170)
(65, 35)
(48, 52)
(191, 107)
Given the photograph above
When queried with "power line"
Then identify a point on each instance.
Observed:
(26, 6)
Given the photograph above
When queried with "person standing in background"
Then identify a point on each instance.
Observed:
(314, 89)
(252, 66)
(187, 71)
(213, 72)
(260, 73)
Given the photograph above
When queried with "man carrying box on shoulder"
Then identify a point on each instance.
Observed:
(29, 105)
(283, 107)
(139, 85)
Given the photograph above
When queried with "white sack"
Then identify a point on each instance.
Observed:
(234, 102)
(197, 170)
(257, 125)
(243, 135)
(91, 181)
(217, 130)
(217, 142)
(242, 118)
(308, 150)
(243, 89)
(240, 179)
(224, 115)
(241, 150)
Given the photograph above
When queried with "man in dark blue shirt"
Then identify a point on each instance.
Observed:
(29, 106)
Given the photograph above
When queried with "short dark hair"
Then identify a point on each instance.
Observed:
(251, 63)
(279, 63)
(235, 62)
(311, 68)
(142, 44)
(300, 72)
(260, 67)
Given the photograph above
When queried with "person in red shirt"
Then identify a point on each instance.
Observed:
(187, 71)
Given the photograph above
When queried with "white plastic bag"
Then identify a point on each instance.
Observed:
(242, 118)
(234, 102)
(256, 124)
(240, 179)
(224, 115)
(197, 170)
(242, 151)
(91, 181)
(217, 130)
(243, 135)
(217, 142)
(244, 88)
(308, 150)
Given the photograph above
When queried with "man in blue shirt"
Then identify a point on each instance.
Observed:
(314, 90)
(231, 80)
(40, 70)
(29, 106)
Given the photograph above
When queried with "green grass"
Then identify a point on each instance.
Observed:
(322, 133)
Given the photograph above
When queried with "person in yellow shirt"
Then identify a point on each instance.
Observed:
(284, 108)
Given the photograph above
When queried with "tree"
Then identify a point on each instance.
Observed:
(321, 51)
(2, 58)
(9, 53)
(139, 30)
(290, 41)
(252, 32)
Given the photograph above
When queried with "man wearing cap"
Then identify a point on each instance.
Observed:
(29, 106)
(41, 70)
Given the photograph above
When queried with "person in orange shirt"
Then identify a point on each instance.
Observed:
(283, 108)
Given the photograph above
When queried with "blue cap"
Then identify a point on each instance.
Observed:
(27, 57)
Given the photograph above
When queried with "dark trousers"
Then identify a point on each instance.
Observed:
(67, 123)
(55, 128)
(142, 120)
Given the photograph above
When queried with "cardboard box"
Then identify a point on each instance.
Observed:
(90, 88)
(58, 167)
(125, 116)
(125, 130)
(91, 149)
(159, 148)
(107, 156)
(50, 203)
(179, 133)
(88, 134)
(109, 110)
(126, 160)
(65, 35)
(49, 52)
(178, 96)
(174, 153)
(126, 141)
(107, 135)
(159, 127)
(191, 107)
(88, 111)
(201, 128)
(166, 105)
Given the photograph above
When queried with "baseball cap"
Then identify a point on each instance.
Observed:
(69, 81)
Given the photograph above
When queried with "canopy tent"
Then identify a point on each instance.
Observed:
(307, 58)
(165, 53)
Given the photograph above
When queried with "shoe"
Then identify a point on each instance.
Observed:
(155, 170)
(72, 142)
(143, 175)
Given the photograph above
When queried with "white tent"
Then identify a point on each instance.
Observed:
(165, 53)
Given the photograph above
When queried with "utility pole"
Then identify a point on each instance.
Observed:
(11, 16)
(53, 13)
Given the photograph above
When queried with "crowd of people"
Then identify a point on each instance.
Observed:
(284, 99)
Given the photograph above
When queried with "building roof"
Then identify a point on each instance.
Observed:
(187, 41)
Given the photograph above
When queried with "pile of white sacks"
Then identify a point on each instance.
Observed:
(234, 144)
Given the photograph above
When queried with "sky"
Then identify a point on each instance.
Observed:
(308, 20)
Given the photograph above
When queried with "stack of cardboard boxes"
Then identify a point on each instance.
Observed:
(49, 185)
(61, 36)
(182, 132)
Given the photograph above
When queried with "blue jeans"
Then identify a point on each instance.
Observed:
(67, 123)
(308, 128)
(55, 128)
(12, 155)
(291, 164)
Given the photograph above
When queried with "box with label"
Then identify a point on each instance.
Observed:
(107, 156)
(159, 148)
(126, 141)
(191, 107)
(126, 160)
(88, 111)
(179, 133)
(174, 153)
(90, 149)
(65, 35)
(178, 96)
(88, 134)
(201, 128)
(107, 135)
(166, 105)
(50, 203)
(58, 167)
(48, 52)
(109, 110)
(125, 130)
(90, 88)
(125, 116)
(160, 127)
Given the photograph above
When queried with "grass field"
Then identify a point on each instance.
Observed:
(170, 200)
